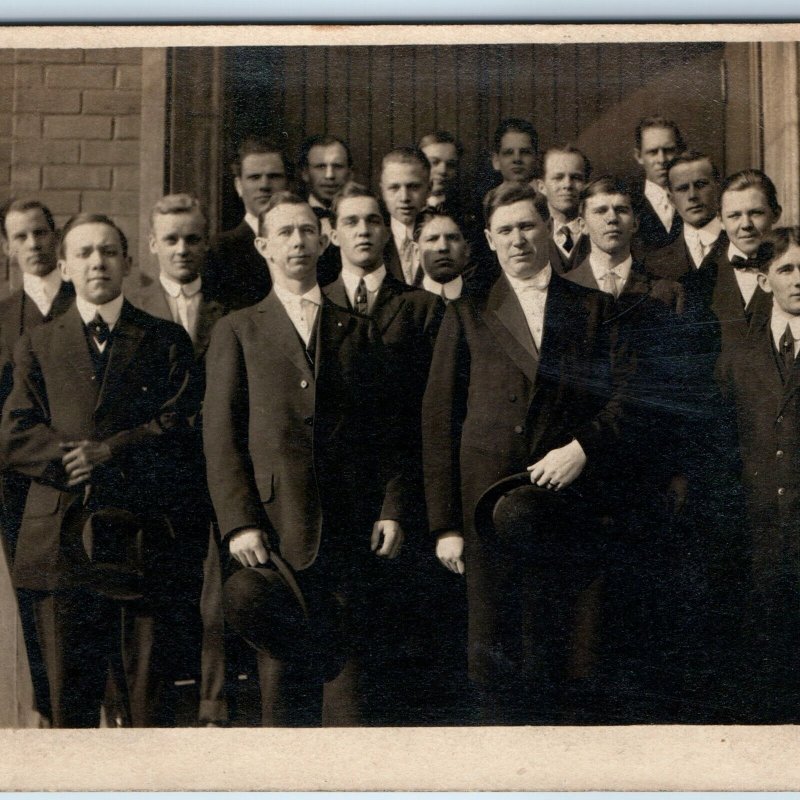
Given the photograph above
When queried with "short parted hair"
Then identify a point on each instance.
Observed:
(281, 199)
(605, 184)
(321, 140)
(515, 125)
(89, 218)
(181, 203)
(406, 155)
(428, 214)
(23, 205)
(508, 195)
(657, 121)
(442, 137)
(689, 157)
(568, 149)
(352, 189)
(257, 145)
(755, 179)
(775, 244)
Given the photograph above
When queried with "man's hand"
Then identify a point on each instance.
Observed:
(387, 538)
(560, 467)
(81, 458)
(249, 547)
(450, 551)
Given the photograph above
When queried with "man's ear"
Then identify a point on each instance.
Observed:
(495, 162)
(763, 282)
(637, 156)
(538, 184)
(62, 268)
(152, 240)
(488, 234)
(127, 263)
(237, 184)
(335, 237)
(261, 246)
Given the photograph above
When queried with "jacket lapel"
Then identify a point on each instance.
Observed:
(210, 311)
(283, 335)
(505, 318)
(337, 293)
(583, 275)
(63, 300)
(386, 303)
(72, 349)
(125, 342)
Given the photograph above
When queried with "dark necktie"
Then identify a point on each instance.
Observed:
(361, 297)
(100, 331)
(322, 213)
(746, 264)
(787, 350)
(568, 243)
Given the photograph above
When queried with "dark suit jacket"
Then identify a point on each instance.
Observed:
(294, 449)
(494, 405)
(236, 274)
(651, 234)
(408, 320)
(672, 261)
(139, 411)
(578, 254)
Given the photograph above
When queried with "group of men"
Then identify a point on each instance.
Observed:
(430, 458)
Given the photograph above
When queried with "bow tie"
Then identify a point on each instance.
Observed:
(749, 264)
(322, 213)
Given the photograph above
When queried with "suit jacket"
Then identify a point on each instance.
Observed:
(139, 410)
(294, 449)
(494, 405)
(672, 261)
(236, 274)
(408, 320)
(651, 234)
(561, 263)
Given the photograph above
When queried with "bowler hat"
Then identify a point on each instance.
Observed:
(537, 523)
(110, 549)
(267, 608)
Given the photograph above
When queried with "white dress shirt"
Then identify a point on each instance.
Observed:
(532, 296)
(402, 236)
(559, 237)
(447, 291)
(618, 274)
(372, 280)
(184, 302)
(659, 199)
(700, 240)
(109, 311)
(42, 289)
(746, 279)
(302, 309)
(780, 319)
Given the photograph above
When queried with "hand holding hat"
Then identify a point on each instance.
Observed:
(249, 547)
(560, 467)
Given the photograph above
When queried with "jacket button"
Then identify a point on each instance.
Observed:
(781, 491)
(779, 420)
(779, 454)
(512, 397)
(304, 384)
(518, 429)
(309, 420)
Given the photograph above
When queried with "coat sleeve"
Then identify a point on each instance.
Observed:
(225, 434)
(443, 413)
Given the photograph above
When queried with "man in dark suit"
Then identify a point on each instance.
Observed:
(527, 377)
(407, 320)
(693, 187)
(565, 173)
(515, 154)
(179, 240)
(97, 409)
(326, 165)
(235, 275)
(759, 380)
(658, 141)
(405, 184)
(295, 442)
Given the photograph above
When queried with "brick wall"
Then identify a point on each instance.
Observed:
(70, 133)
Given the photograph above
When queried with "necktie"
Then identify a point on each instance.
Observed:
(568, 242)
(307, 310)
(787, 350)
(322, 213)
(747, 264)
(182, 302)
(361, 297)
(609, 280)
(99, 330)
(407, 259)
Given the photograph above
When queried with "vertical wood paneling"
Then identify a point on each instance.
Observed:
(447, 98)
(425, 92)
(381, 116)
(359, 113)
(469, 79)
(338, 106)
(316, 90)
(403, 73)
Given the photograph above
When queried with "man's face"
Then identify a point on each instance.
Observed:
(179, 242)
(563, 181)
(609, 221)
(516, 159)
(783, 280)
(443, 158)
(746, 217)
(360, 232)
(658, 148)
(292, 242)
(262, 175)
(327, 171)
(94, 263)
(520, 237)
(694, 192)
(443, 251)
(405, 189)
(30, 242)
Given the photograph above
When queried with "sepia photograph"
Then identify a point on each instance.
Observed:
(421, 389)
